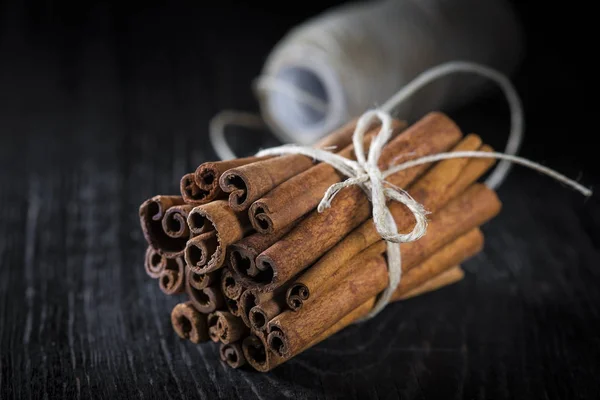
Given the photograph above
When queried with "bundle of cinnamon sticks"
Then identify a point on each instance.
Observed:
(268, 276)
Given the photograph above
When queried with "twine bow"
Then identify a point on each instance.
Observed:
(365, 173)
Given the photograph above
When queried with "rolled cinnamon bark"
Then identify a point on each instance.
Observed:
(448, 256)
(319, 232)
(175, 223)
(366, 279)
(448, 277)
(249, 299)
(258, 355)
(231, 288)
(442, 182)
(189, 324)
(250, 182)
(172, 278)
(301, 194)
(205, 300)
(217, 227)
(232, 354)
(243, 253)
(151, 213)
(260, 315)
(233, 306)
(201, 281)
(202, 186)
(226, 327)
(154, 262)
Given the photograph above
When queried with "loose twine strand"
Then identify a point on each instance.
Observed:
(365, 172)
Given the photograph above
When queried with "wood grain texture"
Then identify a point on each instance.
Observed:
(101, 108)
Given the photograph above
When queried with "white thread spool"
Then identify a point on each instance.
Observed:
(352, 58)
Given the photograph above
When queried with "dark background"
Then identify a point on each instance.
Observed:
(102, 106)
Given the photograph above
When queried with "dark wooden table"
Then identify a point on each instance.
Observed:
(102, 107)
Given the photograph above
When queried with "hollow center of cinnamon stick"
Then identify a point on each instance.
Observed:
(232, 305)
(154, 210)
(231, 357)
(230, 283)
(238, 183)
(166, 280)
(261, 221)
(173, 224)
(208, 178)
(194, 254)
(199, 223)
(257, 352)
(241, 263)
(185, 325)
(258, 320)
(277, 344)
(201, 297)
(155, 260)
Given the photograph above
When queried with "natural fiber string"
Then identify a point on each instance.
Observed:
(365, 173)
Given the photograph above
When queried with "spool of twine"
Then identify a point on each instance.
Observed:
(354, 57)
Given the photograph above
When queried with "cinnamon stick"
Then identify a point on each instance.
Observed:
(367, 278)
(448, 277)
(204, 187)
(232, 354)
(250, 182)
(205, 300)
(154, 262)
(175, 223)
(434, 189)
(172, 278)
(243, 253)
(260, 315)
(233, 306)
(188, 323)
(230, 287)
(299, 195)
(249, 299)
(455, 252)
(217, 227)
(318, 232)
(151, 214)
(226, 327)
(201, 281)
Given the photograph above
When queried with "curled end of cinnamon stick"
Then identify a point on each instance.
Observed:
(260, 219)
(172, 279)
(258, 319)
(232, 289)
(198, 222)
(246, 302)
(232, 354)
(225, 327)
(256, 353)
(266, 278)
(199, 251)
(235, 184)
(206, 300)
(232, 306)
(191, 192)
(201, 281)
(241, 260)
(277, 342)
(154, 262)
(296, 295)
(175, 223)
(188, 323)
(152, 212)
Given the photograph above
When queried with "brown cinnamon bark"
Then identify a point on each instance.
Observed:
(232, 354)
(249, 299)
(366, 279)
(205, 300)
(448, 256)
(202, 186)
(243, 253)
(319, 232)
(301, 194)
(188, 323)
(250, 182)
(260, 315)
(175, 223)
(172, 278)
(218, 227)
(154, 262)
(448, 277)
(226, 327)
(233, 306)
(151, 213)
(231, 288)
(201, 281)
(441, 183)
